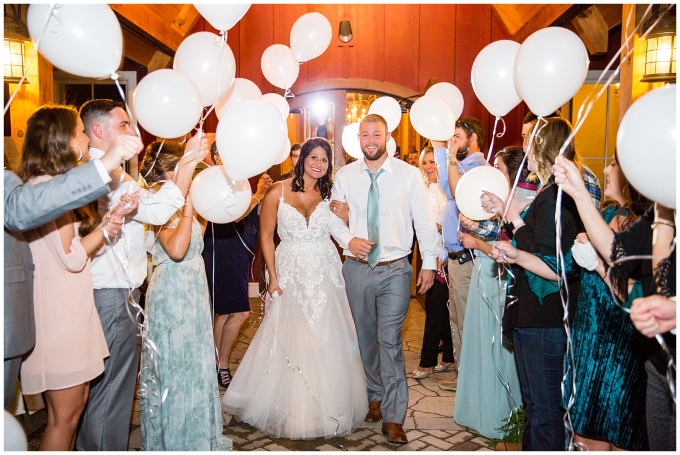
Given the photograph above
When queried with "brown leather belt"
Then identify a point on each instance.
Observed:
(378, 264)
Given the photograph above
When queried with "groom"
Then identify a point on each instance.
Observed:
(386, 198)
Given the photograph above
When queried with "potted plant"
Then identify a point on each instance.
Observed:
(513, 430)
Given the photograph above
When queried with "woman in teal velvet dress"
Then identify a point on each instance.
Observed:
(608, 411)
(181, 409)
(488, 386)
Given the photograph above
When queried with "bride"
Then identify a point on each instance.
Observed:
(302, 375)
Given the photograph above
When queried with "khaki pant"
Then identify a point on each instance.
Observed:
(459, 285)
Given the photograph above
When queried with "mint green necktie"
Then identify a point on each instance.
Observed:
(373, 218)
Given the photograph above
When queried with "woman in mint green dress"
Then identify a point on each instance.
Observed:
(488, 386)
(181, 408)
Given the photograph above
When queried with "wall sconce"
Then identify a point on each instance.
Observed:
(345, 32)
(660, 55)
(15, 37)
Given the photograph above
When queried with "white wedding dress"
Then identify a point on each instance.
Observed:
(302, 376)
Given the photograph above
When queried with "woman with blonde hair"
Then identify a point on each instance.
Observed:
(437, 328)
(535, 312)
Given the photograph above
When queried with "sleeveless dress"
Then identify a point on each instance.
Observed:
(609, 403)
(69, 341)
(302, 376)
(488, 385)
(180, 325)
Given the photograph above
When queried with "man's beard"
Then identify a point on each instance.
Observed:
(378, 153)
(462, 153)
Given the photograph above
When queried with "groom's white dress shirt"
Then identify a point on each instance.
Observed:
(404, 204)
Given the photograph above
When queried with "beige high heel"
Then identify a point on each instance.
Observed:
(439, 368)
(417, 374)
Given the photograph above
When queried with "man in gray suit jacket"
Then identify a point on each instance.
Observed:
(31, 206)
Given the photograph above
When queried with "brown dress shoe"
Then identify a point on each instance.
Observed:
(394, 432)
(373, 414)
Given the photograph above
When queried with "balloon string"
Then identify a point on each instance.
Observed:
(51, 13)
(154, 163)
(115, 76)
(288, 94)
(222, 40)
(493, 136)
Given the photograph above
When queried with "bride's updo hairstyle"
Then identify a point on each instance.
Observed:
(324, 184)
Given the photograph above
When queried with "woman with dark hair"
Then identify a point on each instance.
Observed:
(302, 375)
(488, 386)
(651, 234)
(70, 345)
(228, 255)
(535, 312)
(608, 412)
(180, 325)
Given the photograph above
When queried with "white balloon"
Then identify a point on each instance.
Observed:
(240, 89)
(451, 95)
(15, 437)
(219, 198)
(84, 40)
(167, 104)
(433, 118)
(391, 146)
(389, 109)
(646, 145)
(350, 140)
(222, 16)
(279, 66)
(310, 36)
(285, 153)
(470, 188)
(250, 137)
(208, 61)
(493, 77)
(278, 102)
(550, 68)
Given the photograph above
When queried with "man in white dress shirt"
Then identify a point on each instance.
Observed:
(387, 198)
(105, 424)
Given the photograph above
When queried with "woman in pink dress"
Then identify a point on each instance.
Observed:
(70, 345)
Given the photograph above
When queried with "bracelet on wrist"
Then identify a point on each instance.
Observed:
(258, 200)
(656, 223)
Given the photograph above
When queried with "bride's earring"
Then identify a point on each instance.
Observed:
(81, 152)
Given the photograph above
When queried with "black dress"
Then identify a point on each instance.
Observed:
(233, 247)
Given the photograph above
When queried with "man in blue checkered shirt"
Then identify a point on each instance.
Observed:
(490, 229)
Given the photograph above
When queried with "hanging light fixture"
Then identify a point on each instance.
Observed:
(660, 55)
(14, 50)
(345, 32)
(357, 106)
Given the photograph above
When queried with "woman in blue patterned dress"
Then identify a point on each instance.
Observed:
(182, 409)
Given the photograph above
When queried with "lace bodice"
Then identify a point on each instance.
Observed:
(306, 259)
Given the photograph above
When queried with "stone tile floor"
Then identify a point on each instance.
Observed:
(429, 421)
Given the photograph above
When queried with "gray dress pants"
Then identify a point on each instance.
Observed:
(379, 299)
(105, 424)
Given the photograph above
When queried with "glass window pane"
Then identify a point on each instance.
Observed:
(77, 94)
(663, 67)
(16, 47)
(108, 91)
(651, 44)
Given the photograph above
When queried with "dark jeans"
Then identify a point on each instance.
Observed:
(539, 354)
(437, 327)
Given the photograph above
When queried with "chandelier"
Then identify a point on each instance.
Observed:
(357, 106)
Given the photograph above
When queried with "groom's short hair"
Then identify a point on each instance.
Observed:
(374, 118)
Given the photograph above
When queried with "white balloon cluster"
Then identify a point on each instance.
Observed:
(310, 37)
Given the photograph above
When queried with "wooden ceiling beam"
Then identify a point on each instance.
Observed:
(185, 19)
(152, 21)
(593, 30)
(523, 20)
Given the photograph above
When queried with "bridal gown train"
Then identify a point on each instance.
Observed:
(302, 376)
